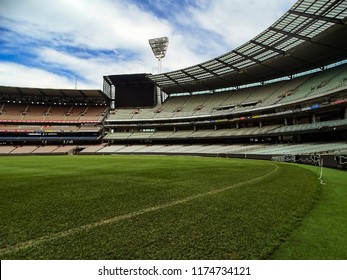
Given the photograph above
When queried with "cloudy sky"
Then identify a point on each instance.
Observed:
(49, 43)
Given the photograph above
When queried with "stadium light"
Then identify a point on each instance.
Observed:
(159, 47)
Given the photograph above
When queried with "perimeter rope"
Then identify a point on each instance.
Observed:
(320, 178)
(314, 160)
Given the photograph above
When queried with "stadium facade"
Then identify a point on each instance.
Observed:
(282, 94)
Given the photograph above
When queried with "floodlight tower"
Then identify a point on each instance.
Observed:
(159, 47)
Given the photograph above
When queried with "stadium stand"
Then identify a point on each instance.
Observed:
(12, 112)
(321, 83)
(311, 126)
(5, 150)
(259, 97)
(111, 149)
(68, 149)
(45, 149)
(228, 149)
(91, 149)
(30, 149)
(161, 135)
(58, 117)
(282, 93)
(118, 135)
(24, 150)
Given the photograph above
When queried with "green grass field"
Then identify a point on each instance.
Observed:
(160, 207)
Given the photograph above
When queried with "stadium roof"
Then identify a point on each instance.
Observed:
(7, 93)
(127, 79)
(310, 35)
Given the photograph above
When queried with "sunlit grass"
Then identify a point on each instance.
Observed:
(55, 207)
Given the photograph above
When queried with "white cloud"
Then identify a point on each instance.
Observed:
(96, 24)
(89, 69)
(236, 21)
(13, 74)
(54, 35)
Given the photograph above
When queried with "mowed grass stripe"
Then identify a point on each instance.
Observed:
(46, 195)
(49, 237)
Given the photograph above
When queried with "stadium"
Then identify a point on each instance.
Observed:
(239, 157)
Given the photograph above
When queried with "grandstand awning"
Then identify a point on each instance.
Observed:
(42, 94)
(310, 35)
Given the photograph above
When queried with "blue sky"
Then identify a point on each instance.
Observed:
(49, 43)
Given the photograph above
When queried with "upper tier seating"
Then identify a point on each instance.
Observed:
(238, 101)
(51, 113)
(320, 83)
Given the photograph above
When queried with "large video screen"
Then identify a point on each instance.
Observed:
(133, 91)
(141, 95)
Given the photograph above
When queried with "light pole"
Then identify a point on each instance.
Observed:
(159, 47)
